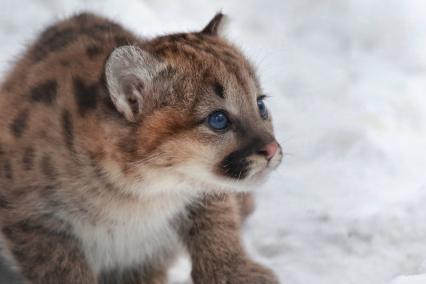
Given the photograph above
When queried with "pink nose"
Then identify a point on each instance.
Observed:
(269, 150)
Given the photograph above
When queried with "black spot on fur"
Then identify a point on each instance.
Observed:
(7, 168)
(85, 96)
(4, 203)
(121, 40)
(93, 51)
(53, 39)
(19, 253)
(218, 89)
(19, 124)
(47, 167)
(23, 226)
(45, 92)
(68, 129)
(28, 158)
(7, 231)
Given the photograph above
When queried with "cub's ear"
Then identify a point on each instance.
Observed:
(129, 73)
(215, 26)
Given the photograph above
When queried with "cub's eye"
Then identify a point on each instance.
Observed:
(262, 108)
(218, 120)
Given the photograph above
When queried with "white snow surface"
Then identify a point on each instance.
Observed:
(347, 86)
(415, 279)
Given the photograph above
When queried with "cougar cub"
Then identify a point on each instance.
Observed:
(116, 151)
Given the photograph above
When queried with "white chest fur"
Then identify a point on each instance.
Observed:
(132, 235)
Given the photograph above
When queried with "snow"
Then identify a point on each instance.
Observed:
(347, 81)
(417, 279)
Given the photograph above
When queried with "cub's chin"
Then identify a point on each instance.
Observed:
(254, 179)
(247, 174)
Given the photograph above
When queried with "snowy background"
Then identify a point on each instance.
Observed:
(347, 81)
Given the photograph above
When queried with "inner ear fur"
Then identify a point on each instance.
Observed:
(129, 73)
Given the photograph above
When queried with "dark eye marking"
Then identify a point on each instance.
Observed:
(219, 90)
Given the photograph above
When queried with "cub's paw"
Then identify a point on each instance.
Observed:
(253, 273)
(240, 272)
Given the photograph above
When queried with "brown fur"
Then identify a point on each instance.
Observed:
(215, 247)
(68, 157)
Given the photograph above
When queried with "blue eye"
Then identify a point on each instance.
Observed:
(218, 120)
(262, 108)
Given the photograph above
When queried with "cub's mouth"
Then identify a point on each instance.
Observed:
(253, 160)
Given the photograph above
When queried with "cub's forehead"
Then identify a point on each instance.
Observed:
(209, 62)
(202, 52)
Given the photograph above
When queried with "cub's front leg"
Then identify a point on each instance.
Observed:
(213, 241)
(44, 256)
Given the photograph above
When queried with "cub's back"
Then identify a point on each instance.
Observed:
(56, 91)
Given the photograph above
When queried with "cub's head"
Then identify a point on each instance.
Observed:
(196, 108)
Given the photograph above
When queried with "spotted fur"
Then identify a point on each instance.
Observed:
(108, 166)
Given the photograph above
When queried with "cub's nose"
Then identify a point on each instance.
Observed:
(269, 150)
